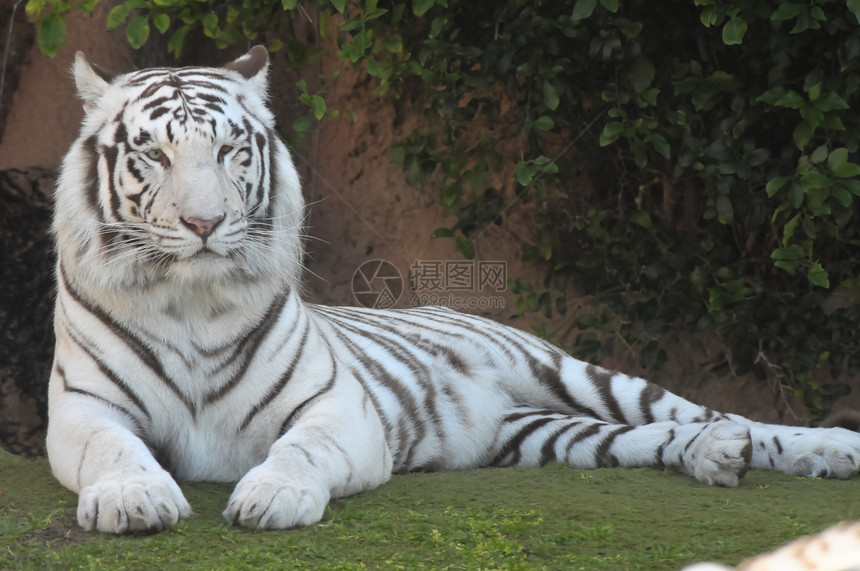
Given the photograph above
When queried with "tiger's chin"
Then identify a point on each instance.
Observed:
(196, 290)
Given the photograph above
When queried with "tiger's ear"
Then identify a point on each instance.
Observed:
(91, 81)
(254, 67)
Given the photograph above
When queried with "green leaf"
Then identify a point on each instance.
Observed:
(790, 267)
(802, 134)
(610, 133)
(393, 43)
(583, 9)
(544, 123)
(790, 99)
(118, 14)
(210, 25)
(838, 163)
(86, 6)
(420, 7)
(816, 179)
(734, 30)
(795, 195)
(642, 218)
(611, 5)
(725, 211)
(787, 12)
(831, 101)
(375, 67)
(818, 275)
(854, 7)
(842, 195)
(523, 284)
(545, 304)
(641, 74)
(465, 247)
(814, 91)
(177, 40)
(660, 144)
(640, 152)
(818, 14)
(451, 194)
(289, 5)
(757, 157)
(789, 253)
(339, 5)
(708, 17)
(436, 26)
(802, 23)
(853, 186)
(818, 155)
(162, 22)
(832, 121)
(789, 229)
(775, 184)
(51, 34)
(318, 105)
(442, 233)
(545, 247)
(137, 31)
(550, 168)
(550, 96)
(34, 7)
(525, 173)
(302, 124)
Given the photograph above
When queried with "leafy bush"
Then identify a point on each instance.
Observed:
(688, 165)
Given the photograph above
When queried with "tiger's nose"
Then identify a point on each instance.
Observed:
(202, 228)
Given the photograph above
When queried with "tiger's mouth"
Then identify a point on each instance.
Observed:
(205, 252)
(206, 255)
(203, 258)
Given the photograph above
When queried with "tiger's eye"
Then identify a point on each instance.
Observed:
(155, 154)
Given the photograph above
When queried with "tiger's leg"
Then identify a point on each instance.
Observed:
(94, 450)
(716, 453)
(819, 452)
(616, 398)
(336, 447)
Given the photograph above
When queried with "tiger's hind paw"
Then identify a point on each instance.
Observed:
(720, 455)
(825, 453)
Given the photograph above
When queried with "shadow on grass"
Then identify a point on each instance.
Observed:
(518, 518)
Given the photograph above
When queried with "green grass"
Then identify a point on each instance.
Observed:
(542, 518)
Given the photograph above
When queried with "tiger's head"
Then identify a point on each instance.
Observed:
(178, 178)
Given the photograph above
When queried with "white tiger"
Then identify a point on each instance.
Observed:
(184, 348)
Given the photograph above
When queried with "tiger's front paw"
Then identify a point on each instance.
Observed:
(268, 500)
(132, 504)
(824, 452)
